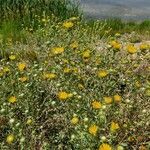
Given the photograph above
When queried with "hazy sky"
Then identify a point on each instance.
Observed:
(126, 9)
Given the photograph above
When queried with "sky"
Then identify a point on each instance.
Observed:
(125, 9)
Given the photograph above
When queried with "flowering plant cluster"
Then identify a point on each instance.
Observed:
(67, 88)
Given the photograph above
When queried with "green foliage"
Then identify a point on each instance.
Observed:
(14, 9)
(11, 30)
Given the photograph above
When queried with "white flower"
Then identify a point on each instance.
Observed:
(11, 121)
(74, 93)
(22, 139)
(58, 84)
(79, 97)
(53, 102)
(144, 111)
(72, 136)
(120, 148)
(26, 111)
(2, 110)
(104, 107)
(86, 119)
(103, 138)
(127, 101)
(18, 124)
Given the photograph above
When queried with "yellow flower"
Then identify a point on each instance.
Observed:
(108, 100)
(21, 66)
(80, 86)
(68, 24)
(102, 73)
(143, 46)
(147, 92)
(6, 69)
(75, 69)
(131, 49)
(49, 75)
(29, 121)
(23, 79)
(57, 50)
(93, 129)
(74, 45)
(1, 74)
(67, 70)
(96, 105)
(12, 99)
(105, 146)
(65, 61)
(117, 34)
(137, 84)
(43, 20)
(116, 45)
(64, 95)
(86, 54)
(114, 126)
(10, 138)
(74, 120)
(12, 57)
(117, 98)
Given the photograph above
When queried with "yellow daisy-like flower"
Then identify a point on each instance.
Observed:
(12, 99)
(105, 146)
(115, 45)
(80, 86)
(102, 73)
(74, 120)
(114, 126)
(57, 50)
(49, 75)
(65, 61)
(86, 54)
(6, 69)
(131, 49)
(64, 95)
(10, 138)
(108, 100)
(137, 84)
(74, 45)
(143, 46)
(29, 121)
(21, 66)
(75, 70)
(117, 98)
(93, 129)
(67, 70)
(23, 79)
(12, 57)
(68, 24)
(96, 105)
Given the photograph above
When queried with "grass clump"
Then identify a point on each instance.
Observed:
(19, 15)
(24, 9)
